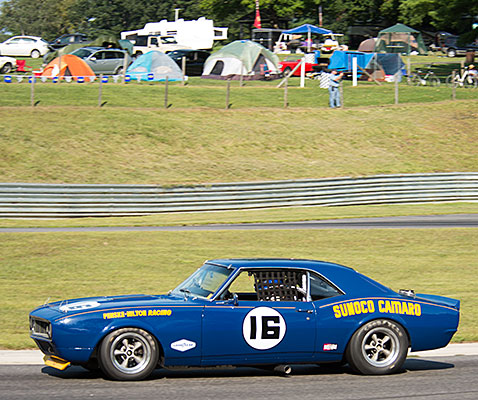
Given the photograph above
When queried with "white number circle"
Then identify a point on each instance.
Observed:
(263, 328)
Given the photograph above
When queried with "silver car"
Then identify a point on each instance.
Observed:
(104, 61)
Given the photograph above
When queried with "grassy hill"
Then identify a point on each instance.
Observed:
(198, 145)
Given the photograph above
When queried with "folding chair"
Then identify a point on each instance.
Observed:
(22, 67)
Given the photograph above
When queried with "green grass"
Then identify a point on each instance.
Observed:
(67, 265)
(199, 145)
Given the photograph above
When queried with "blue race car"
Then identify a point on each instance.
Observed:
(249, 312)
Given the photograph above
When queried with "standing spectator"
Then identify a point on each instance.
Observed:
(334, 92)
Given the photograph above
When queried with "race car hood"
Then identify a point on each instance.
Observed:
(92, 304)
(444, 301)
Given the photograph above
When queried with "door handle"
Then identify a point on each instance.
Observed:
(306, 311)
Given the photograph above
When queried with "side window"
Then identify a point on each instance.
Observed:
(269, 285)
(320, 289)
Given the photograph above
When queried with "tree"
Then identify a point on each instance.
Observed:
(45, 18)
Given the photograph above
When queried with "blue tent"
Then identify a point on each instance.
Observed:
(154, 66)
(342, 60)
(308, 28)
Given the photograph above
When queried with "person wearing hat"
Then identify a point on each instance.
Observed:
(472, 70)
(334, 91)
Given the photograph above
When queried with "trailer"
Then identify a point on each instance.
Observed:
(196, 34)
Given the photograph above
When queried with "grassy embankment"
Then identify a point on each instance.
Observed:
(198, 145)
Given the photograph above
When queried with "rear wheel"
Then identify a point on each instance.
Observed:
(449, 81)
(119, 71)
(470, 82)
(286, 71)
(451, 53)
(379, 347)
(415, 80)
(35, 54)
(128, 354)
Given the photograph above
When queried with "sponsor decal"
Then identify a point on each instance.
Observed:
(183, 345)
(263, 328)
(78, 306)
(357, 307)
(330, 346)
(137, 313)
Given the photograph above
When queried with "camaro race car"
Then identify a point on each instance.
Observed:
(249, 312)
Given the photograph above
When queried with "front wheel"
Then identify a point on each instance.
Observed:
(7, 67)
(434, 81)
(377, 348)
(470, 82)
(128, 354)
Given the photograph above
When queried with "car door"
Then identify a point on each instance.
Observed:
(101, 62)
(12, 47)
(254, 328)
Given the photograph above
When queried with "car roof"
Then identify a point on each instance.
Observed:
(277, 262)
(345, 278)
(26, 36)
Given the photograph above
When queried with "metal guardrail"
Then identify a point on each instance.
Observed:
(23, 200)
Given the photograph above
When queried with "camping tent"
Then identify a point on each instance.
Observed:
(68, 65)
(155, 66)
(309, 29)
(400, 38)
(367, 45)
(387, 64)
(242, 58)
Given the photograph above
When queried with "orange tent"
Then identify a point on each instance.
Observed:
(70, 66)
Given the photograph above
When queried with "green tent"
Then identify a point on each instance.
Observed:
(242, 59)
(400, 38)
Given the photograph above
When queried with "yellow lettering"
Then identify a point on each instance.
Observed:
(418, 309)
(363, 307)
(357, 307)
(388, 307)
(343, 310)
(350, 308)
(411, 309)
(380, 306)
(370, 306)
(337, 313)
(397, 307)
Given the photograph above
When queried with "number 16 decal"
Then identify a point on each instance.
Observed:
(263, 328)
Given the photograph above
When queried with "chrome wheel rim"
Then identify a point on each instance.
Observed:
(380, 347)
(130, 353)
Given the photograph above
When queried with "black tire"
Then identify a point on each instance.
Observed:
(128, 354)
(449, 81)
(7, 67)
(469, 82)
(35, 54)
(451, 53)
(377, 348)
(416, 80)
(286, 71)
(119, 71)
(434, 81)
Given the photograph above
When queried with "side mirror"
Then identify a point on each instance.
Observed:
(93, 58)
(235, 299)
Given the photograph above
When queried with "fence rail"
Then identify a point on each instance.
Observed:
(23, 200)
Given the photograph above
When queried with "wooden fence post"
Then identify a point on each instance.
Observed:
(100, 90)
(286, 102)
(32, 91)
(228, 89)
(453, 87)
(166, 92)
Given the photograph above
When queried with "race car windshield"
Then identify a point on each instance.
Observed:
(204, 282)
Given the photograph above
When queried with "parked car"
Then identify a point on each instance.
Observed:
(71, 38)
(7, 64)
(104, 61)
(270, 312)
(452, 48)
(195, 60)
(24, 46)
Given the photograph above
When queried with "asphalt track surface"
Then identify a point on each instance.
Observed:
(439, 378)
(424, 221)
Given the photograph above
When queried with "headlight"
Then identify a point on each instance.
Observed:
(40, 327)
